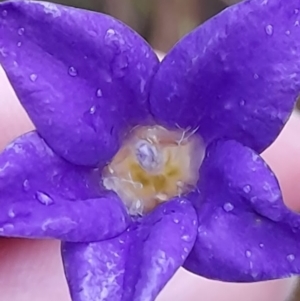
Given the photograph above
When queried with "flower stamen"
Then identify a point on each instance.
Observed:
(154, 165)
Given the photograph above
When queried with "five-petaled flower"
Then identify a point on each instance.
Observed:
(85, 80)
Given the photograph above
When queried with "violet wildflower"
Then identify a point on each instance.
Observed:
(141, 167)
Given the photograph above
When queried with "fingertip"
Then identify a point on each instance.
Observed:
(13, 118)
(283, 156)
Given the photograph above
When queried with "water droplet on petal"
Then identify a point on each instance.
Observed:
(93, 109)
(186, 238)
(261, 245)
(99, 93)
(288, 32)
(72, 71)
(256, 76)
(4, 13)
(290, 257)
(296, 11)
(113, 39)
(176, 220)
(121, 241)
(44, 198)
(21, 31)
(247, 188)
(297, 23)
(186, 250)
(228, 207)
(110, 32)
(19, 44)
(248, 253)
(11, 213)
(33, 77)
(26, 185)
(269, 30)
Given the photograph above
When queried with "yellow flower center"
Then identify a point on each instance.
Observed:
(154, 165)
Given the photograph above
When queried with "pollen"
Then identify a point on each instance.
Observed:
(154, 165)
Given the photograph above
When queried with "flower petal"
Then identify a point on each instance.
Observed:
(84, 84)
(43, 196)
(246, 233)
(136, 265)
(235, 77)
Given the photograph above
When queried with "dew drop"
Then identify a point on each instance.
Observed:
(26, 185)
(99, 93)
(228, 207)
(247, 188)
(248, 254)
(4, 13)
(19, 44)
(113, 39)
(288, 32)
(186, 238)
(33, 77)
(93, 110)
(242, 102)
(121, 241)
(176, 220)
(110, 32)
(255, 76)
(290, 257)
(297, 23)
(11, 213)
(44, 198)
(296, 11)
(186, 250)
(261, 245)
(21, 31)
(72, 71)
(269, 29)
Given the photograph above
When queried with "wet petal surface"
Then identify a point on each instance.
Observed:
(84, 85)
(237, 76)
(44, 196)
(136, 265)
(245, 233)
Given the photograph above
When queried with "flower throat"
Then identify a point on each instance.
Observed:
(154, 165)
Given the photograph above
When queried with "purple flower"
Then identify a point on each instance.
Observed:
(86, 80)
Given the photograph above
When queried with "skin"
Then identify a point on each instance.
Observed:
(32, 270)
